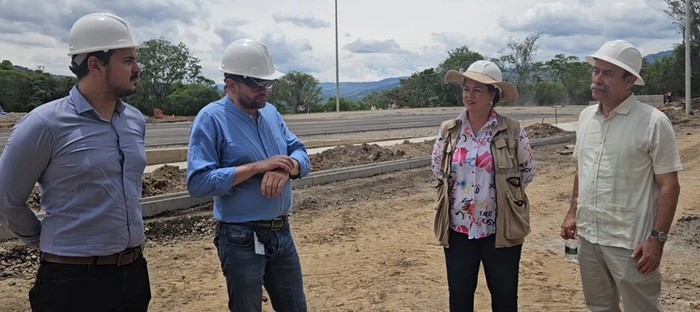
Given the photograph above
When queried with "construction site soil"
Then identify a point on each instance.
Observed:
(370, 247)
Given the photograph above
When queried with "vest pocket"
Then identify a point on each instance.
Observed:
(505, 153)
(516, 217)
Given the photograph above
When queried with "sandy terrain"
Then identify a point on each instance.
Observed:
(370, 247)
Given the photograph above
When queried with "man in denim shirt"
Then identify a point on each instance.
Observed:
(87, 153)
(242, 154)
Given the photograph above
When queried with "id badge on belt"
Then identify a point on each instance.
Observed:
(259, 247)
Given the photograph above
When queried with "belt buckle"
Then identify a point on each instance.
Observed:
(275, 221)
(127, 256)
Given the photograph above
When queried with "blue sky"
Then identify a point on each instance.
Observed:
(377, 39)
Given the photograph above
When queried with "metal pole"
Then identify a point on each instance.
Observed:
(337, 75)
(687, 56)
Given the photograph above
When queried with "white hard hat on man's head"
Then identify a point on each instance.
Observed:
(249, 58)
(100, 32)
(622, 54)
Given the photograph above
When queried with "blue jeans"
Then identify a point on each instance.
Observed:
(501, 266)
(246, 272)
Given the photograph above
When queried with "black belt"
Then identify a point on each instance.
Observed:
(274, 225)
(121, 258)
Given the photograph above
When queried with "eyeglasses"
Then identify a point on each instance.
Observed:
(256, 86)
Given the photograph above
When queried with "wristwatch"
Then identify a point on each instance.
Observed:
(660, 235)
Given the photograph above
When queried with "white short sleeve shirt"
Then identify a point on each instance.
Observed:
(617, 158)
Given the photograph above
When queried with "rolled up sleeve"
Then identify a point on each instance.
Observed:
(296, 150)
(204, 177)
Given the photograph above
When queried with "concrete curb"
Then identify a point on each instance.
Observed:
(165, 155)
(155, 205)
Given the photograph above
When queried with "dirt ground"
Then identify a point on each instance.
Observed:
(166, 179)
(8, 120)
(371, 247)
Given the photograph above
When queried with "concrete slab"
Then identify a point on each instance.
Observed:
(567, 126)
(165, 155)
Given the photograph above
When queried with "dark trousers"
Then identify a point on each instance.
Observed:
(93, 288)
(501, 266)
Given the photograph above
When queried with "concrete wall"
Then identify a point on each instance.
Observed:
(165, 155)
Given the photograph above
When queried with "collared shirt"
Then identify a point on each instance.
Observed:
(472, 188)
(222, 137)
(617, 158)
(89, 173)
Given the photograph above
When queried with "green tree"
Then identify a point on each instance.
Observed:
(345, 105)
(573, 74)
(6, 65)
(294, 89)
(422, 89)
(15, 90)
(676, 11)
(380, 99)
(549, 92)
(164, 64)
(676, 73)
(188, 99)
(519, 66)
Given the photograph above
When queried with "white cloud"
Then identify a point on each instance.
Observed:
(374, 46)
(377, 39)
(305, 20)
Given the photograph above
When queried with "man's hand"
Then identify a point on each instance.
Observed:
(283, 162)
(651, 250)
(273, 181)
(568, 227)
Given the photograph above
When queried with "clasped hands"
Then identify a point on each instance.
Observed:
(277, 170)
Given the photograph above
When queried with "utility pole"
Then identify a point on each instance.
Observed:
(337, 75)
(687, 56)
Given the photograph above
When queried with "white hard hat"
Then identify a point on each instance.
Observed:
(249, 58)
(100, 32)
(485, 72)
(622, 54)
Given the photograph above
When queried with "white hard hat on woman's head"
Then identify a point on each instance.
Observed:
(249, 58)
(485, 72)
(100, 32)
(622, 54)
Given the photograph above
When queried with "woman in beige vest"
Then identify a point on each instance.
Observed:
(483, 162)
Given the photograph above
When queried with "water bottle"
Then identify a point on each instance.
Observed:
(571, 250)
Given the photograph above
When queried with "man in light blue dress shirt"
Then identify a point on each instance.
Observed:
(242, 154)
(87, 153)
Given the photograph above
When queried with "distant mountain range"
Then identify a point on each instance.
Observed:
(653, 57)
(355, 91)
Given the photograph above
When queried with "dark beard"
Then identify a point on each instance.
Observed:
(116, 90)
(250, 103)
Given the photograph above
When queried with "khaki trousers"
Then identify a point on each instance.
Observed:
(608, 273)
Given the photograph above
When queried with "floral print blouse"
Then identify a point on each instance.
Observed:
(472, 189)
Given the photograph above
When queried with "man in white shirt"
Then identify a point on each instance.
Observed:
(625, 189)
